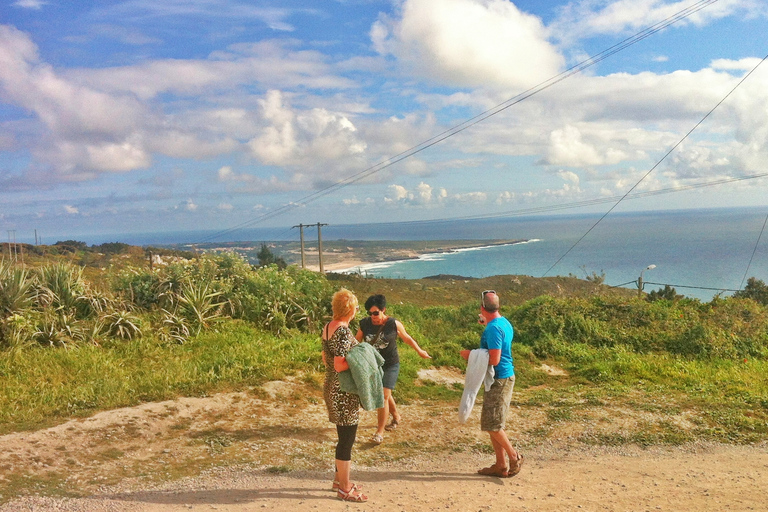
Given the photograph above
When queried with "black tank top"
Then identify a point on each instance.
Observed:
(386, 344)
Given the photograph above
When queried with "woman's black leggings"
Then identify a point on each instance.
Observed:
(347, 435)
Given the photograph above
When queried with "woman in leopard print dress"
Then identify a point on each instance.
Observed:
(343, 408)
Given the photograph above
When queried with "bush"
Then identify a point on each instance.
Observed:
(723, 328)
(756, 290)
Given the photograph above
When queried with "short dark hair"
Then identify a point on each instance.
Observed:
(377, 300)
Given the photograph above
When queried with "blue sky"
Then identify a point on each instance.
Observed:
(139, 115)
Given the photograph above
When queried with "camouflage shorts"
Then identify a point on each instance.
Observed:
(496, 404)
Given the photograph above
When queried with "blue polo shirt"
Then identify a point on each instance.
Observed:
(498, 335)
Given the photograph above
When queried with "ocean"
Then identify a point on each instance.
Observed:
(698, 252)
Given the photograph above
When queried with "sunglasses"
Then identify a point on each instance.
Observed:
(374, 313)
(482, 295)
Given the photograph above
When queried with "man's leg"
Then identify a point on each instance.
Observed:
(502, 447)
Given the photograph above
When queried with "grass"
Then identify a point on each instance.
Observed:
(42, 386)
(634, 372)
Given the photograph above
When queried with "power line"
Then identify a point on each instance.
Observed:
(753, 252)
(591, 61)
(673, 148)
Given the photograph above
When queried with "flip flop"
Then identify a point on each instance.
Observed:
(377, 439)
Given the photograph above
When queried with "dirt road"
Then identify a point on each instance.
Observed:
(712, 478)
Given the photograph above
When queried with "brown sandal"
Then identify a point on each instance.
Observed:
(514, 470)
(494, 470)
(354, 494)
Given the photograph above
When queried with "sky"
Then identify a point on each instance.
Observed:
(144, 116)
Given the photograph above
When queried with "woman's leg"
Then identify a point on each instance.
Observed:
(346, 435)
(383, 412)
(393, 408)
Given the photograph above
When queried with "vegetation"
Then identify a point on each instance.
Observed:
(73, 344)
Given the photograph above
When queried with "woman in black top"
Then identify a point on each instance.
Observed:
(382, 332)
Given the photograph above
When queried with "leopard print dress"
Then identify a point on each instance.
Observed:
(343, 408)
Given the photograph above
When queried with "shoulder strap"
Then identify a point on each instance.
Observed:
(378, 334)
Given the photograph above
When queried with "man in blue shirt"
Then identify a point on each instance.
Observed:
(497, 339)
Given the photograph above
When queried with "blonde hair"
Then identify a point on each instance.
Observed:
(344, 304)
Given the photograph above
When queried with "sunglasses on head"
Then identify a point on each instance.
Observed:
(374, 313)
(482, 296)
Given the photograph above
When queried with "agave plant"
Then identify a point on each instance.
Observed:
(175, 328)
(200, 303)
(15, 331)
(62, 287)
(57, 329)
(17, 289)
(121, 324)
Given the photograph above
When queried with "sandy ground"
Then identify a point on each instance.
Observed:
(713, 478)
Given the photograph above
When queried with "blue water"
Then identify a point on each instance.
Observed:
(693, 250)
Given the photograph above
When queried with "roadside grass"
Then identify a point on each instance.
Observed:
(43, 386)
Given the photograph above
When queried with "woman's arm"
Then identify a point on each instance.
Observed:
(340, 364)
(410, 341)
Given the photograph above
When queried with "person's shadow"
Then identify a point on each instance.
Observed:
(319, 491)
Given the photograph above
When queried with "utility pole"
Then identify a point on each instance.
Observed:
(320, 246)
(35, 237)
(301, 235)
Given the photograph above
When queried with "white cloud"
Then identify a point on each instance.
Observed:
(269, 64)
(505, 197)
(274, 17)
(190, 205)
(225, 207)
(71, 210)
(476, 43)
(315, 139)
(587, 18)
(30, 4)
(569, 176)
(397, 193)
(735, 65)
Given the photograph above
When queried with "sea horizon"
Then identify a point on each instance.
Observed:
(700, 252)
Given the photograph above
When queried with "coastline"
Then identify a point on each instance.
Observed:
(354, 263)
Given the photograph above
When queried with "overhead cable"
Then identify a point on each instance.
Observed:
(591, 61)
(673, 148)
